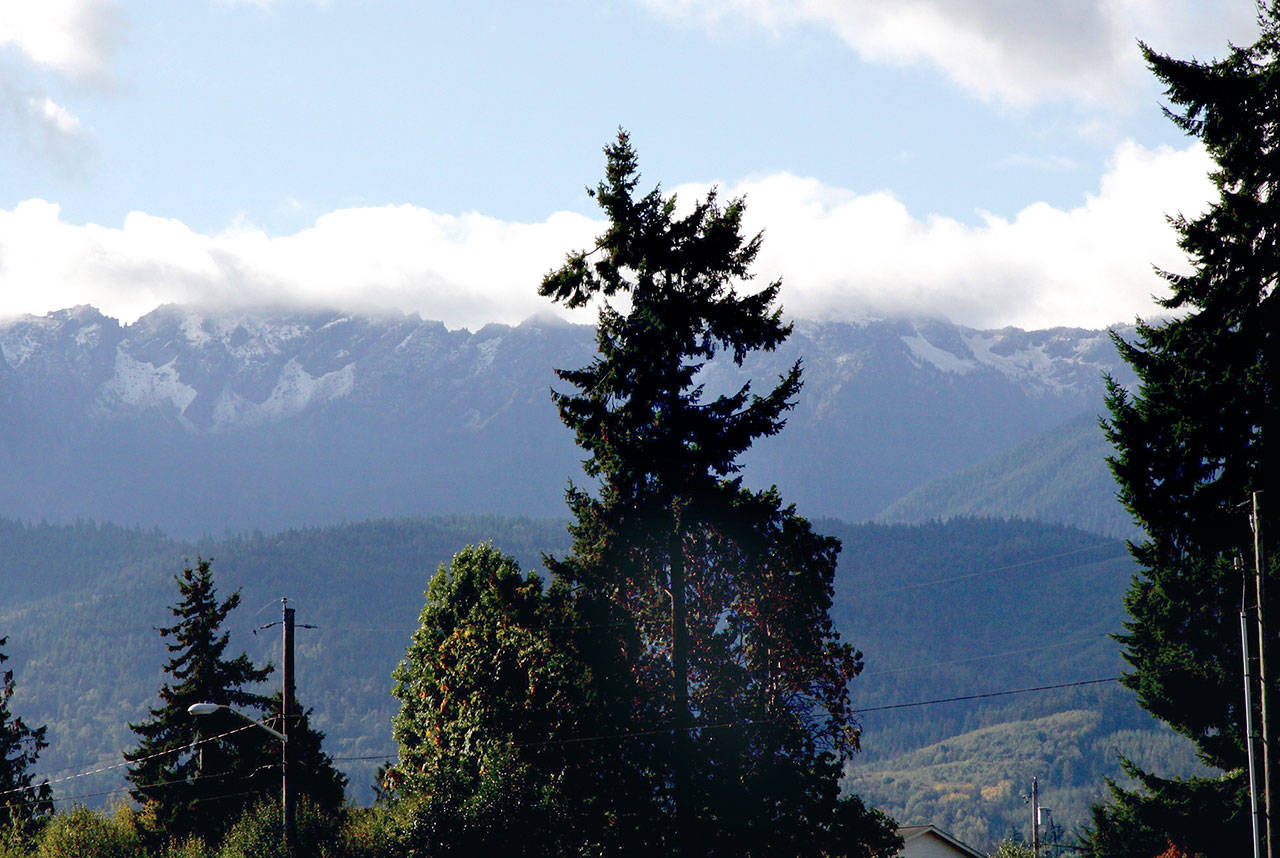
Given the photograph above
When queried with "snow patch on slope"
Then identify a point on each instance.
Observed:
(1030, 362)
(927, 352)
(15, 349)
(295, 390)
(18, 340)
(137, 384)
(488, 351)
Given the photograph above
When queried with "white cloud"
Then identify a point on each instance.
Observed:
(71, 38)
(56, 131)
(75, 38)
(841, 255)
(1011, 51)
(54, 117)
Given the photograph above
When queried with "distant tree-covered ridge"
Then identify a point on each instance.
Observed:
(1060, 476)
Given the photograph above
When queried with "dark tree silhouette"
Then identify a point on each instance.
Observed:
(23, 800)
(713, 600)
(1192, 444)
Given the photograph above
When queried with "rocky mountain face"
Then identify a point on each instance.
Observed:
(205, 421)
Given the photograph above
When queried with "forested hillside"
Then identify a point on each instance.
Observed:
(1059, 476)
(975, 606)
(940, 610)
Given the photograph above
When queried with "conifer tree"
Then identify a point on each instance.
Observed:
(311, 771)
(201, 789)
(22, 800)
(710, 600)
(200, 774)
(1192, 443)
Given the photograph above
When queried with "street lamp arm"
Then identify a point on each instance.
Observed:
(210, 708)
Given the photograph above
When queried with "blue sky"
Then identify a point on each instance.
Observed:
(990, 161)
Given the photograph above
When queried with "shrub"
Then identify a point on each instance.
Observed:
(257, 833)
(83, 833)
(376, 832)
(192, 847)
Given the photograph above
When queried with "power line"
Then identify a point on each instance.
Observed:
(729, 724)
(966, 576)
(102, 769)
(581, 739)
(67, 798)
(1005, 653)
(988, 694)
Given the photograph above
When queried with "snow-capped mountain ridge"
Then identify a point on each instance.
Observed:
(352, 416)
(256, 368)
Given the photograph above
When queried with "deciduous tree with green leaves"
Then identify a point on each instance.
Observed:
(493, 702)
(1193, 442)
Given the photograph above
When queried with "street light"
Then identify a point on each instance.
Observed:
(286, 802)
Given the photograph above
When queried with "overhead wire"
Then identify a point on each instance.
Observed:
(120, 765)
(915, 585)
(749, 723)
(988, 694)
(1003, 654)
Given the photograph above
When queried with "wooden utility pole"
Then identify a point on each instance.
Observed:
(1035, 817)
(286, 713)
(1256, 523)
(1249, 737)
(680, 681)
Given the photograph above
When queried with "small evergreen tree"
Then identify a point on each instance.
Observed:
(196, 783)
(22, 800)
(201, 788)
(1192, 444)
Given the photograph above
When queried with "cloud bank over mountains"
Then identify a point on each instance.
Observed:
(842, 255)
(842, 252)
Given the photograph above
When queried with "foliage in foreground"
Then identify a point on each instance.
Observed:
(127, 833)
(1009, 848)
(492, 684)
